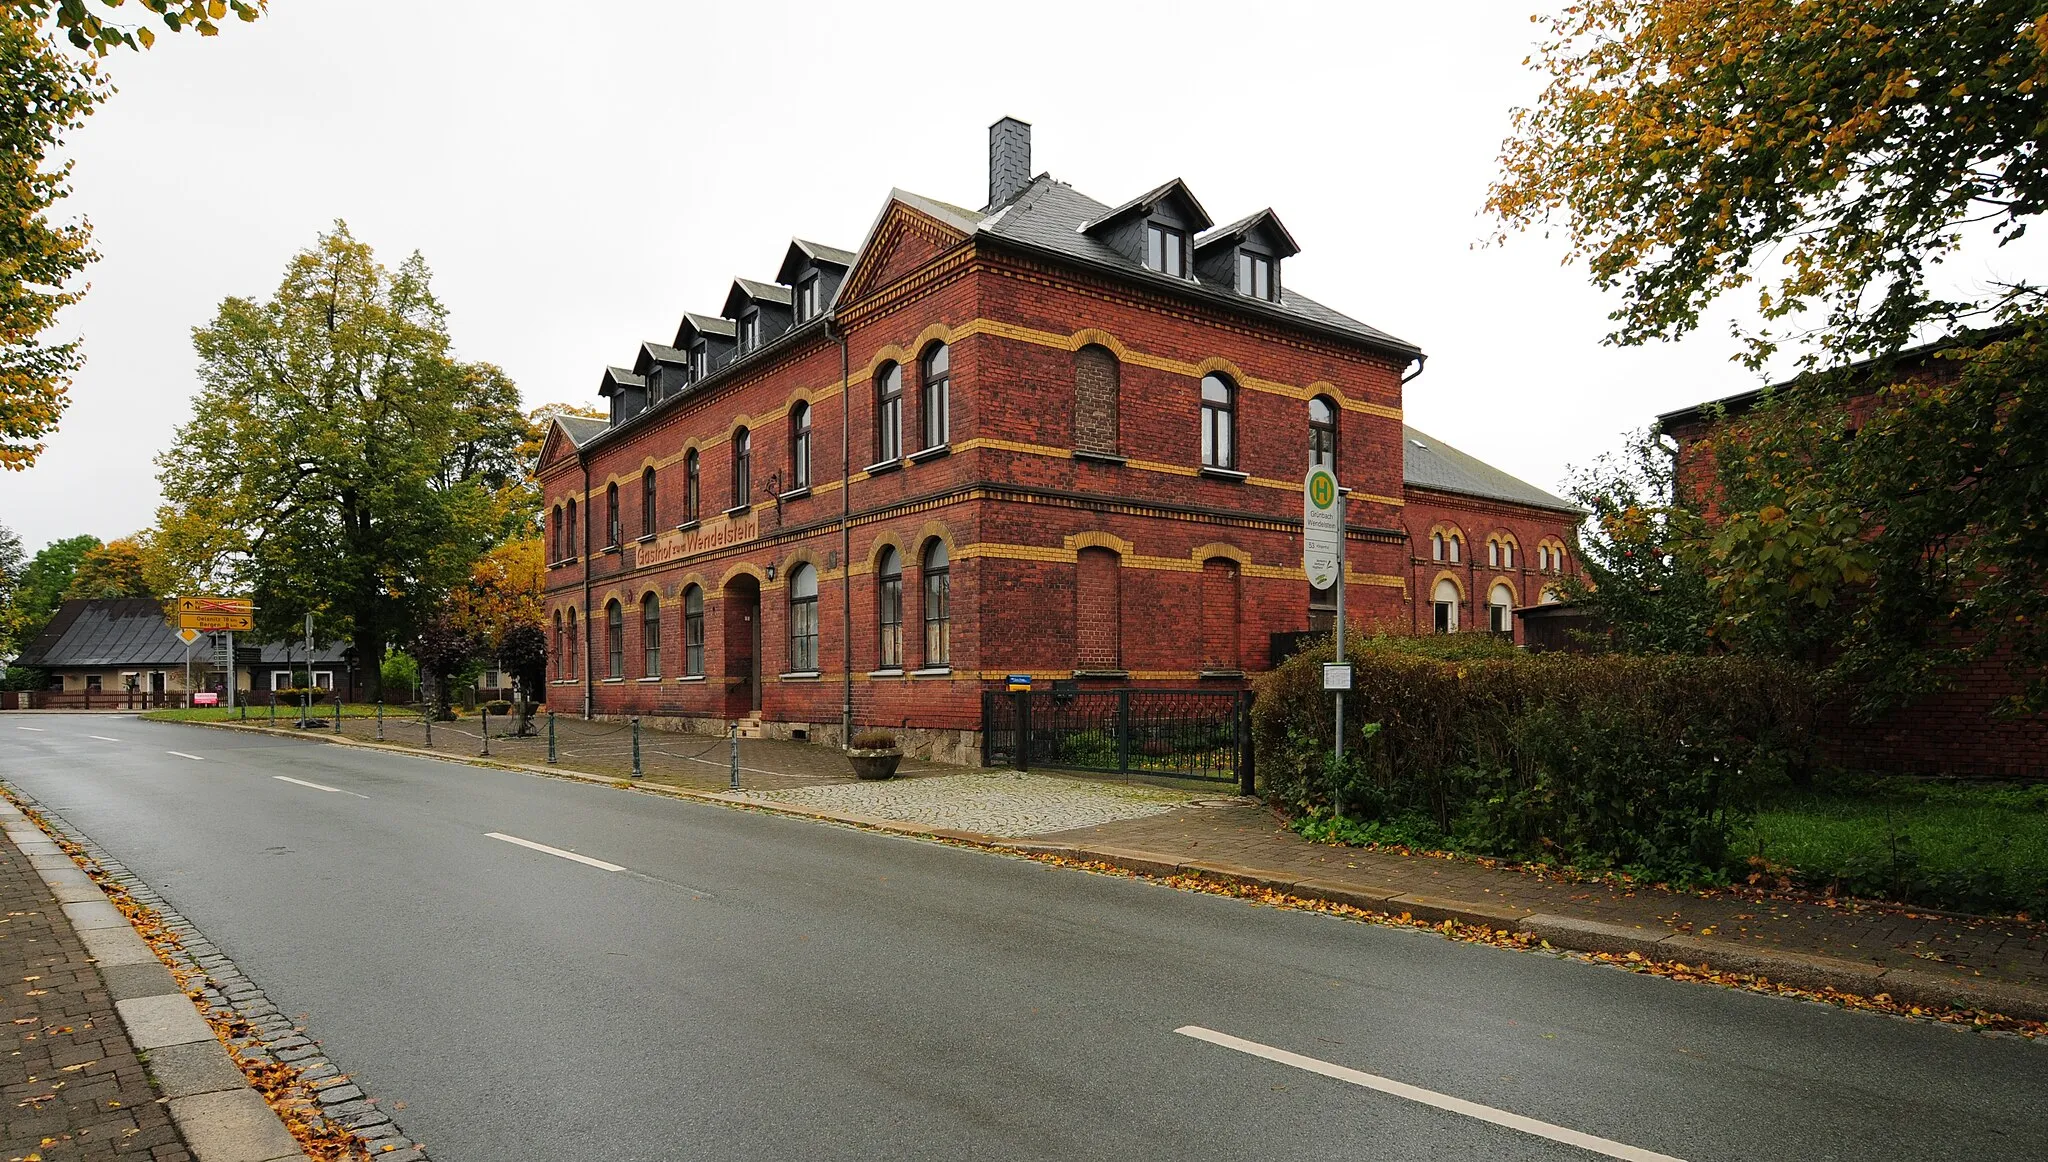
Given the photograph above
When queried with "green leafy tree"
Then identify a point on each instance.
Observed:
(44, 94)
(1641, 549)
(341, 462)
(36, 592)
(1827, 156)
(12, 561)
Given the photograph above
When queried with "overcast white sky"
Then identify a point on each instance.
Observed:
(577, 183)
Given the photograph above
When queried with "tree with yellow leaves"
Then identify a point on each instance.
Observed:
(1828, 156)
(44, 94)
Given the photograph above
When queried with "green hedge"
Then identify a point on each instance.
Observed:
(1607, 761)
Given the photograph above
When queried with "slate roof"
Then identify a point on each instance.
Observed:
(767, 292)
(1244, 225)
(1050, 215)
(664, 353)
(581, 429)
(820, 252)
(128, 632)
(1428, 462)
(1150, 198)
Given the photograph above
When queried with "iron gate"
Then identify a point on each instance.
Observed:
(1181, 734)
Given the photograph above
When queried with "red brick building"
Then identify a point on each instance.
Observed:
(1052, 437)
(1951, 731)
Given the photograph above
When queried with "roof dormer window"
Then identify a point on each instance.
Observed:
(1255, 275)
(700, 360)
(807, 298)
(750, 331)
(1166, 249)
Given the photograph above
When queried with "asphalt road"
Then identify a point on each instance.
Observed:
(751, 987)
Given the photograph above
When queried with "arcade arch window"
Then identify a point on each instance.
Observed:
(938, 613)
(742, 467)
(1219, 423)
(1322, 433)
(614, 640)
(888, 413)
(936, 405)
(1446, 603)
(693, 631)
(800, 445)
(803, 619)
(650, 636)
(889, 610)
(1500, 610)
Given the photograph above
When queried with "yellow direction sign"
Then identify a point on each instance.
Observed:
(209, 614)
(188, 636)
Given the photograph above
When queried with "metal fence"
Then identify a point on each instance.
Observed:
(1182, 734)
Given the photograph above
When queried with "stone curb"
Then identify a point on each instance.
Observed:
(1800, 970)
(219, 1115)
(225, 1126)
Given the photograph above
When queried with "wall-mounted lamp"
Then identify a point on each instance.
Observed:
(771, 571)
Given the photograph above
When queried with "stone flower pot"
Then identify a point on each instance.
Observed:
(874, 764)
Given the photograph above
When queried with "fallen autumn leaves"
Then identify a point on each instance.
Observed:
(282, 1086)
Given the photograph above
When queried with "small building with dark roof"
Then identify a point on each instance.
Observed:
(1055, 437)
(107, 648)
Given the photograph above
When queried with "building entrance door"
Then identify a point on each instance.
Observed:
(742, 646)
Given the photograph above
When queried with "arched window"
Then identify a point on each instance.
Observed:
(888, 413)
(1446, 606)
(650, 636)
(1220, 616)
(1096, 387)
(800, 445)
(1098, 613)
(648, 495)
(1436, 546)
(614, 640)
(560, 662)
(1500, 609)
(1322, 433)
(1456, 547)
(569, 530)
(1549, 597)
(803, 619)
(1557, 559)
(693, 630)
(555, 531)
(742, 468)
(1507, 553)
(1219, 423)
(1543, 558)
(611, 515)
(936, 405)
(938, 607)
(889, 610)
(693, 487)
(574, 644)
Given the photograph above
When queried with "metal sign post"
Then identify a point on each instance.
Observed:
(1322, 557)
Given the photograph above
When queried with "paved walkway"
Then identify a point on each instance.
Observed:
(1004, 803)
(72, 1088)
(1881, 935)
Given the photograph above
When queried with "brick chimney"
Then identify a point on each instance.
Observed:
(1009, 160)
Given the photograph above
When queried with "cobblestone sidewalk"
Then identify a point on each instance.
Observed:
(1004, 803)
(72, 1089)
(1882, 935)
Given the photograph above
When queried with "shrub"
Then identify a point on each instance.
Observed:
(497, 706)
(874, 740)
(1646, 763)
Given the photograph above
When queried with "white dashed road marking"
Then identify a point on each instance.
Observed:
(596, 863)
(37, 729)
(181, 754)
(103, 738)
(1428, 1097)
(316, 786)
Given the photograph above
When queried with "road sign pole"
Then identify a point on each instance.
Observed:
(231, 670)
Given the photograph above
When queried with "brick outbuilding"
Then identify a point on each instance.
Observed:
(1050, 437)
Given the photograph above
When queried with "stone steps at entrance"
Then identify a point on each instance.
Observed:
(750, 727)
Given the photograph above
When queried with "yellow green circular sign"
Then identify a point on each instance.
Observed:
(1322, 489)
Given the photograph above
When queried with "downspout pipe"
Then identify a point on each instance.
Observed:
(845, 534)
(589, 691)
(1415, 601)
